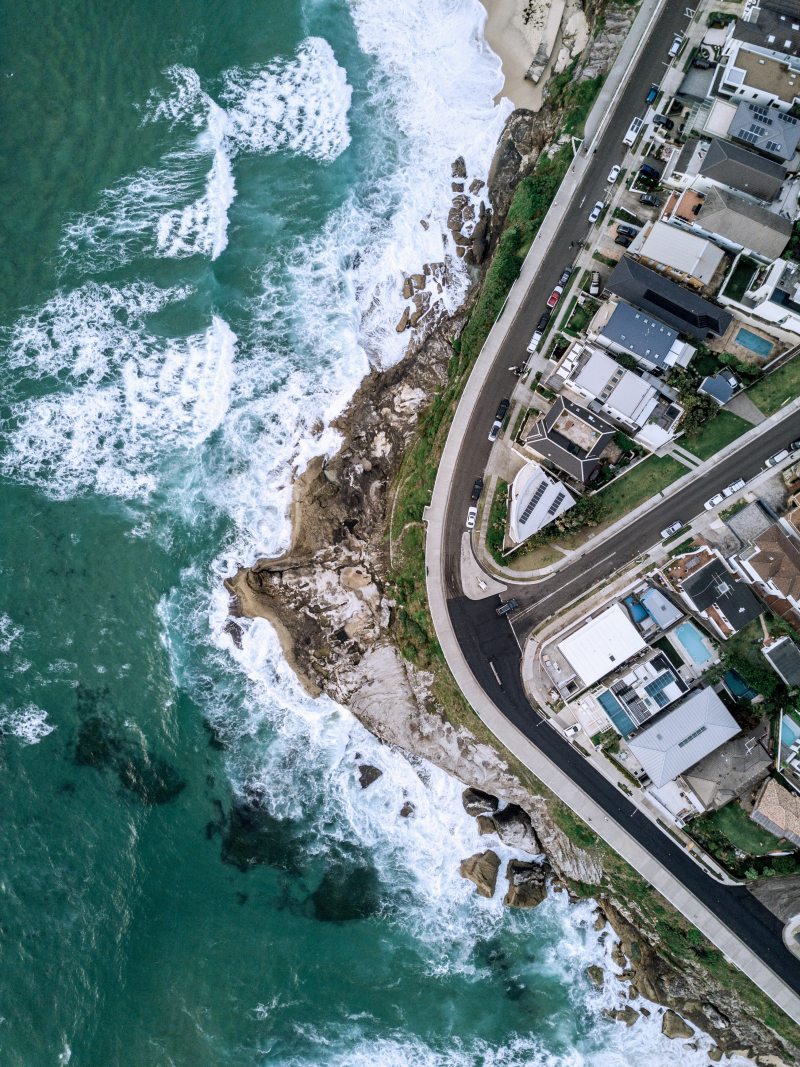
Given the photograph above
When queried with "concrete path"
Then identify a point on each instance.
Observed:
(688, 459)
(744, 407)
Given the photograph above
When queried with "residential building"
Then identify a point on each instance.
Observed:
(622, 394)
(731, 221)
(734, 167)
(680, 738)
(733, 770)
(641, 692)
(773, 296)
(778, 811)
(725, 602)
(675, 305)
(536, 500)
(720, 386)
(772, 24)
(772, 565)
(649, 340)
(783, 656)
(764, 77)
(684, 256)
(772, 132)
(572, 439)
(601, 645)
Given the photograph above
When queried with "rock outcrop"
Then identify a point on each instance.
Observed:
(476, 802)
(514, 828)
(673, 1026)
(482, 869)
(527, 884)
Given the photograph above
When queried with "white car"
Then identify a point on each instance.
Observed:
(734, 487)
(472, 515)
(714, 501)
(614, 173)
(595, 213)
(779, 457)
(670, 530)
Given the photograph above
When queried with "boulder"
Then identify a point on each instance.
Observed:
(527, 884)
(408, 288)
(475, 801)
(459, 168)
(406, 810)
(715, 1054)
(476, 185)
(485, 824)
(457, 187)
(417, 281)
(673, 1026)
(627, 1015)
(367, 774)
(596, 975)
(482, 869)
(403, 323)
(514, 828)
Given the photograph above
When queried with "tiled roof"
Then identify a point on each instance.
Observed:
(778, 561)
(730, 164)
(778, 811)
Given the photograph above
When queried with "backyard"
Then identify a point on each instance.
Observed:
(643, 481)
(715, 434)
(736, 827)
(739, 281)
(772, 392)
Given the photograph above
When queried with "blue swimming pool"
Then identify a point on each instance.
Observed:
(637, 611)
(747, 339)
(790, 731)
(616, 713)
(692, 640)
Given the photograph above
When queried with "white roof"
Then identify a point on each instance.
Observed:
(536, 499)
(602, 644)
(629, 396)
(682, 737)
(684, 252)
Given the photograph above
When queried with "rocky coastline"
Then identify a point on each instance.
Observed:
(330, 599)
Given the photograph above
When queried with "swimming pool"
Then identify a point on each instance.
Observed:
(692, 640)
(616, 713)
(638, 612)
(790, 731)
(747, 339)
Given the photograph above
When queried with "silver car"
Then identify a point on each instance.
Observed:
(734, 487)
(472, 515)
(595, 212)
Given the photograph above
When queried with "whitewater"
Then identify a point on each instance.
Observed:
(211, 307)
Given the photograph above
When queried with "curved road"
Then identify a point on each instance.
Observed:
(490, 644)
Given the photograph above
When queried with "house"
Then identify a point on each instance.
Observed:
(536, 500)
(765, 77)
(571, 438)
(675, 305)
(720, 386)
(734, 167)
(714, 593)
(731, 221)
(783, 656)
(778, 811)
(769, 26)
(772, 565)
(774, 297)
(680, 738)
(684, 256)
(772, 132)
(649, 340)
(641, 692)
(601, 645)
(622, 394)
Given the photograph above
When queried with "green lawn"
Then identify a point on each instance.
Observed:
(743, 274)
(718, 432)
(639, 484)
(776, 389)
(741, 831)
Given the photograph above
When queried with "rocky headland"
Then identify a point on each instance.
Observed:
(331, 600)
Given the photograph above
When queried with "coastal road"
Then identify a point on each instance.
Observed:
(481, 648)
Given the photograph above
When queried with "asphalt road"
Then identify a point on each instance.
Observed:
(490, 645)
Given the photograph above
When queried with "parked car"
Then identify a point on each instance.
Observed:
(509, 605)
(594, 215)
(566, 274)
(627, 231)
(500, 414)
(633, 131)
(614, 173)
(714, 501)
(541, 326)
(595, 286)
(671, 529)
(734, 487)
(622, 240)
(472, 515)
(662, 120)
(794, 445)
(701, 63)
(649, 172)
(555, 296)
(477, 488)
(676, 45)
(779, 457)
(651, 94)
(535, 341)
(650, 200)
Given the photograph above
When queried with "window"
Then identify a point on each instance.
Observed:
(691, 737)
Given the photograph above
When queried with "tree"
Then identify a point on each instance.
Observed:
(698, 410)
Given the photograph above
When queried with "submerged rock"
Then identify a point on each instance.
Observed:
(253, 837)
(596, 975)
(482, 869)
(476, 801)
(346, 893)
(527, 884)
(149, 777)
(673, 1026)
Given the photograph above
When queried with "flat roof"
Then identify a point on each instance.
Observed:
(682, 737)
(684, 252)
(639, 333)
(675, 304)
(660, 607)
(602, 644)
(784, 658)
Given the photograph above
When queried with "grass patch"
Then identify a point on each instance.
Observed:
(777, 389)
(606, 260)
(498, 517)
(579, 319)
(739, 281)
(639, 484)
(715, 434)
(741, 831)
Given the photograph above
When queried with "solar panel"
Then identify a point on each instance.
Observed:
(534, 500)
(773, 146)
(760, 111)
(746, 135)
(789, 120)
(759, 131)
(559, 500)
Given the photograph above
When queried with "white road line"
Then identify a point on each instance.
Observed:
(496, 675)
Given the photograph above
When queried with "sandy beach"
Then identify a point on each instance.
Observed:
(516, 30)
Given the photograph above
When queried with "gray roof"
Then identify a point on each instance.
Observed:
(730, 164)
(563, 453)
(765, 23)
(744, 222)
(640, 334)
(686, 156)
(660, 608)
(715, 585)
(772, 132)
(784, 658)
(674, 304)
(721, 386)
(680, 738)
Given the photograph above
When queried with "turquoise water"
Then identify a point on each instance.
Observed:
(760, 345)
(636, 610)
(790, 731)
(207, 213)
(692, 640)
(617, 713)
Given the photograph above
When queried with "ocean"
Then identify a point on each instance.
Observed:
(207, 212)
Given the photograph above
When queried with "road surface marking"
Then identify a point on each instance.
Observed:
(496, 675)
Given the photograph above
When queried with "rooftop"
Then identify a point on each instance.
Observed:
(767, 129)
(771, 29)
(713, 586)
(739, 221)
(681, 737)
(572, 438)
(778, 810)
(739, 168)
(685, 253)
(674, 304)
(783, 656)
(536, 500)
(776, 560)
(721, 386)
(770, 74)
(602, 645)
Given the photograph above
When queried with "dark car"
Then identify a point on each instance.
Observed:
(497, 425)
(565, 276)
(652, 94)
(510, 605)
(794, 446)
(543, 320)
(662, 120)
(701, 63)
(477, 489)
(646, 171)
(626, 231)
(624, 241)
(650, 200)
(502, 408)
